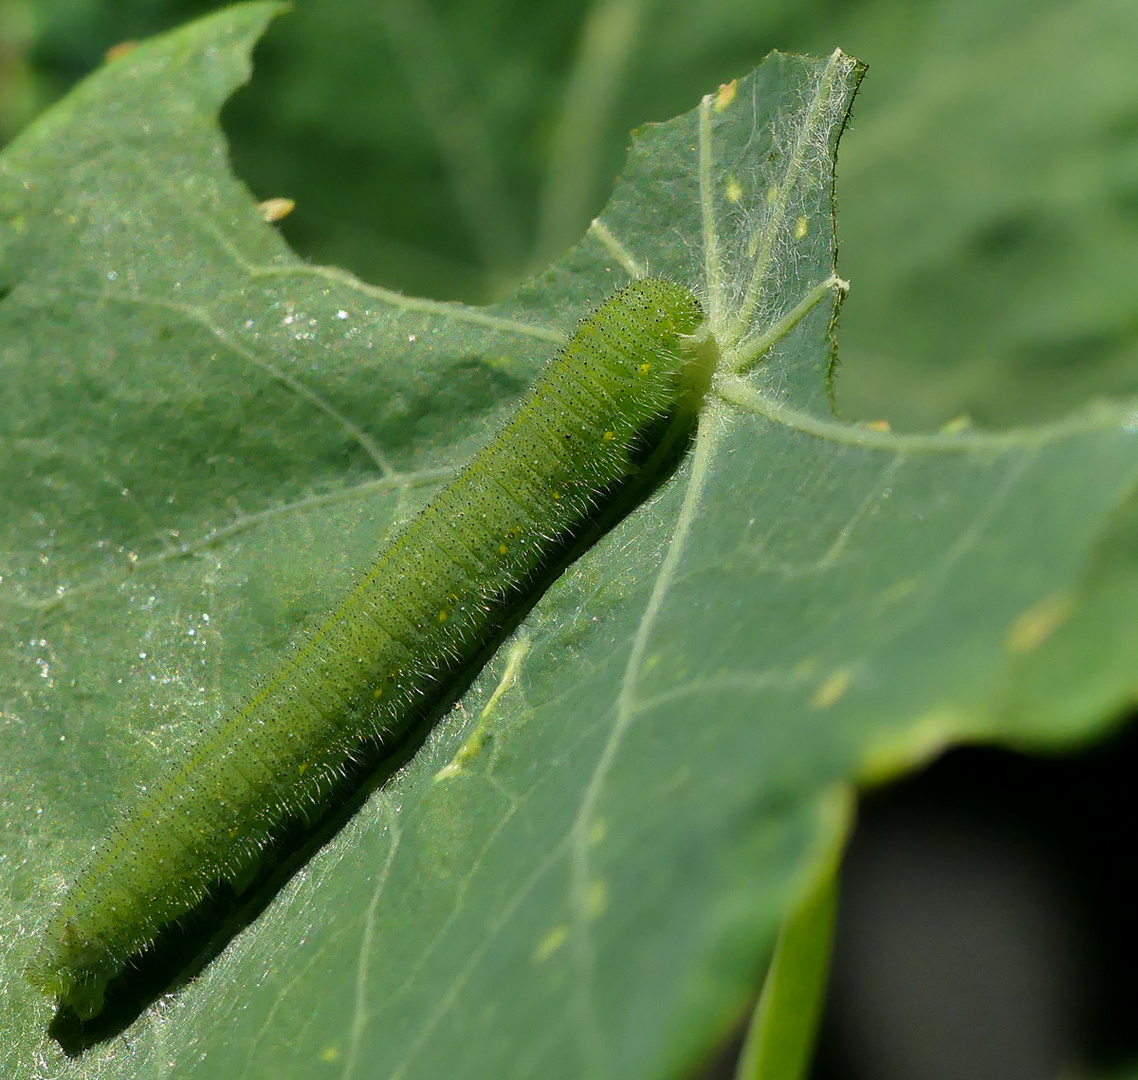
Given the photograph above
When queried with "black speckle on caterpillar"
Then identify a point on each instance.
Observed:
(609, 417)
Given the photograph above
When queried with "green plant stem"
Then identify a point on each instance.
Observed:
(780, 1040)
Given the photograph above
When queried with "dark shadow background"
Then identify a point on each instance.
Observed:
(986, 927)
(987, 921)
(988, 211)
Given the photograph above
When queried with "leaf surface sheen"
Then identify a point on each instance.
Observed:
(582, 872)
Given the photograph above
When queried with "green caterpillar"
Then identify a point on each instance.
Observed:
(610, 414)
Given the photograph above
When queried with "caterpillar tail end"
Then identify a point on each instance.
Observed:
(72, 976)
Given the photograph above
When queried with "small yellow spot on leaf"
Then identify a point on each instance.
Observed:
(121, 49)
(549, 944)
(597, 899)
(734, 190)
(801, 227)
(879, 425)
(726, 94)
(597, 832)
(832, 690)
(1031, 628)
(957, 424)
(330, 1055)
(275, 209)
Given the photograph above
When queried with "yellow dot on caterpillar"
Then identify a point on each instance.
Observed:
(378, 692)
(502, 549)
(645, 368)
(443, 615)
(608, 436)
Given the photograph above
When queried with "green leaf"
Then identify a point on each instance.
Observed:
(583, 871)
(989, 208)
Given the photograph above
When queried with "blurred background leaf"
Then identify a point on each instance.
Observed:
(989, 196)
(989, 202)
